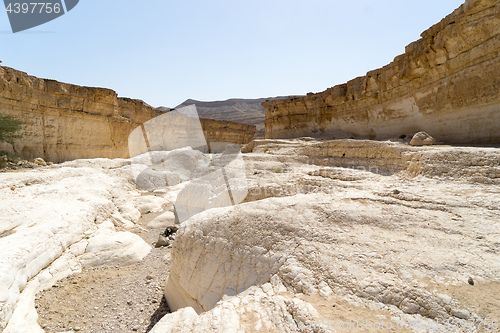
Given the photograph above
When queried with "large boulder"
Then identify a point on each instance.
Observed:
(422, 139)
(225, 185)
(255, 310)
(169, 168)
(163, 221)
(110, 248)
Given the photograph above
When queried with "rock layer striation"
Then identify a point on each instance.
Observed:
(66, 121)
(447, 84)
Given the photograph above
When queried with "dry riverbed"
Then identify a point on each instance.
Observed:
(115, 299)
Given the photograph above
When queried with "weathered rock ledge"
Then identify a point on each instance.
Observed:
(66, 121)
(447, 83)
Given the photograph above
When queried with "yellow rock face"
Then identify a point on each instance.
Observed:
(447, 84)
(66, 122)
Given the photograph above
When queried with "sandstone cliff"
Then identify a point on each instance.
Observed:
(227, 131)
(65, 121)
(447, 83)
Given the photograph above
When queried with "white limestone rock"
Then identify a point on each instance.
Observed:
(162, 169)
(24, 317)
(201, 194)
(172, 321)
(187, 163)
(251, 311)
(49, 212)
(95, 163)
(165, 220)
(40, 161)
(311, 240)
(155, 178)
(150, 204)
(130, 212)
(114, 249)
(226, 185)
(371, 238)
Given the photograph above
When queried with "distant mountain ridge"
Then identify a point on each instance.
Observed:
(247, 111)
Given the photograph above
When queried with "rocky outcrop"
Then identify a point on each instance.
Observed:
(65, 121)
(386, 158)
(227, 131)
(447, 84)
(324, 234)
(69, 221)
(62, 218)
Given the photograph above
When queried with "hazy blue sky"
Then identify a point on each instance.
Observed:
(164, 51)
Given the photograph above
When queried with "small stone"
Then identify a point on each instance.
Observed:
(445, 298)
(471, 281)
(162, 241)
(396, 192)
(150, 277)
(462, 314)
(266, 287)
(334, 305)
(77, 328)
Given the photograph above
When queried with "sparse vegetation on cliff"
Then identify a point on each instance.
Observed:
(9, 127)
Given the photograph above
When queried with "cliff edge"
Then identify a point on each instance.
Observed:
(66, 122)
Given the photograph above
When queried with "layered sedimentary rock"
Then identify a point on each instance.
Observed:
(447, 83)
(65, 121)
(389, 158)
(227, 131)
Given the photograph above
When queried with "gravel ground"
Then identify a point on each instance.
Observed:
(116, 299)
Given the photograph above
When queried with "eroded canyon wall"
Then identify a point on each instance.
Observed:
(447, 83)
(66, 122)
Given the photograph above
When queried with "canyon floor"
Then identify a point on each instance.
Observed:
(110, 299)
(336, 232)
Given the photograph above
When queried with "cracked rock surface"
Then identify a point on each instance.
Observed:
(406, 243)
